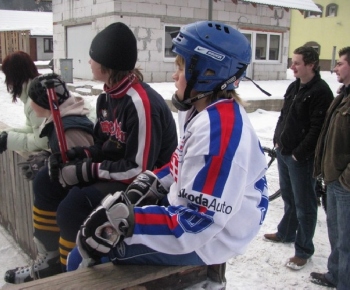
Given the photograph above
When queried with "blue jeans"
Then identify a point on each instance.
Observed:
(338, 224)
(124, 254)
(300, 204)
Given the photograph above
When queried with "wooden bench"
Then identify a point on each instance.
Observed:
(109, 276)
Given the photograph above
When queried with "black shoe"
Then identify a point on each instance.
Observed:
(320, 279)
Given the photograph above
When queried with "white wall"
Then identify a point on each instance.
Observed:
(41, 55)
(147, 20)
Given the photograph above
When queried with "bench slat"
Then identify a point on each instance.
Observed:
(109, 276)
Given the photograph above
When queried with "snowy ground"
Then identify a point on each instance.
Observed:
(262, 266)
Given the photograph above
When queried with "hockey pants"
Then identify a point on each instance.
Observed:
(58, 213)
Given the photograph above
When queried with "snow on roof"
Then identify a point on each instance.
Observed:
(39, 23)
(307, 5)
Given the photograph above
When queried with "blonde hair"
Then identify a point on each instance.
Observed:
(229, 94)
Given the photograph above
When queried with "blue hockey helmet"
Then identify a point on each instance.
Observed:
(210, 46)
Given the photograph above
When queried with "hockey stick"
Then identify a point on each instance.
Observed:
(57, 120)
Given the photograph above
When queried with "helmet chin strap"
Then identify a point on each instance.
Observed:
(186, 104)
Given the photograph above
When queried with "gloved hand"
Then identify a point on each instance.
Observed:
(71, 173)
(54, 163)
(105, 227)
(3, 141)
(78, 153)
(33, 164)
(146, 189)
(74, 172)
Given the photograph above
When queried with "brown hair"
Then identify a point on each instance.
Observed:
(18, 68)
(230, 94)
(116, 76)
(345, 51)
(310, 56)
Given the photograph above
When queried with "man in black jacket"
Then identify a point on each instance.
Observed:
(305, 104)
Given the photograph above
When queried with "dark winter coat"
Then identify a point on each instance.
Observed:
(78, 123)
(135, 131)
(333, 148)
(302, 117)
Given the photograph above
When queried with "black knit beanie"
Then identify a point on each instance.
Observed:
(115, 47)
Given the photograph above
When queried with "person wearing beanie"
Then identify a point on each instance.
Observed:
(213, 190)
(134, 131)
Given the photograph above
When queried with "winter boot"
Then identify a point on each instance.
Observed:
(46, 264)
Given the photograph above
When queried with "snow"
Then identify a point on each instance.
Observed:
(262, 266)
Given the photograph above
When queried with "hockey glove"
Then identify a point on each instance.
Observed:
(54, 164)
(146, 189)
(77, 172)
(33, 164)
(3, 141)
(104, 227)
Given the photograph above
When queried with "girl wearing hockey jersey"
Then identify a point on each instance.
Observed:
(214, 187)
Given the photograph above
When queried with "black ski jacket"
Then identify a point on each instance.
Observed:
(302, 116)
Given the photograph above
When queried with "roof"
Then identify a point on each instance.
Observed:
(39, 23)
(307, 5)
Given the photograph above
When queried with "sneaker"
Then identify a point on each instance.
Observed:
(320, 279)
(296, 263)
(272, 238)
(46, 264)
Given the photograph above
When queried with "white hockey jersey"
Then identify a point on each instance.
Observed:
(217, 188)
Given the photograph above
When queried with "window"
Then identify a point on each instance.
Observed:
(331, 10)
(267, 46)
(314, 14)
(169, 33)
(48, 45)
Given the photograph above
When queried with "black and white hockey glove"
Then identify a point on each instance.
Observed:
(33, 164)
(77, 172)
(73, 172)
(146, 189)
(105, 227)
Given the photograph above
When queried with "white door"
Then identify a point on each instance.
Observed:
(78, 44)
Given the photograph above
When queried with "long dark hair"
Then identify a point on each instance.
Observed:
(18, 68)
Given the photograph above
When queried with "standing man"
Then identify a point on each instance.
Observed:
(305, 104)
(332, 161)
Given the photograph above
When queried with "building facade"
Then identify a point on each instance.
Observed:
(155, 22)
(36, 26)
(327, 31)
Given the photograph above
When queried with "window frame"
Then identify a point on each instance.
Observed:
(176, 28)
(49, 45)
(313, 14)
(329, 7)
(256, 49)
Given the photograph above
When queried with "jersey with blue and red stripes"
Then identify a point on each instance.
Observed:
(217, 188)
